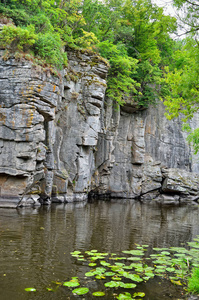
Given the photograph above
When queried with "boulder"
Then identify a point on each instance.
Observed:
(179, 181)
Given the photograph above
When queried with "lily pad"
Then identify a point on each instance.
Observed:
(71, 283)
(92, 264)
(30, 289)
(89, 274)
(134, 252)
(127, 285)
(98, 294)
(139, 294)
(75, 253)
(133, 258)
(116, 278)
(125, 296)
(81, 291)
(104, 263)
(112, 284)
(109, 273)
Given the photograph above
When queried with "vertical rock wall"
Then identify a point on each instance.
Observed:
(140, 144)
(60, 139)
(78, 124)
(28, 98)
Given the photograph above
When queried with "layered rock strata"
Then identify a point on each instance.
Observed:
(62, 140)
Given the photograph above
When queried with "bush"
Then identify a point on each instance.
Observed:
(19, 16)
(17, 38)
(49, 47)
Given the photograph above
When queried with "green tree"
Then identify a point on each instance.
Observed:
(182, 74)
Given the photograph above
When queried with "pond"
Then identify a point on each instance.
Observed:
(36, 245)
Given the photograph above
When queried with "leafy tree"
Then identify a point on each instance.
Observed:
(182, 74)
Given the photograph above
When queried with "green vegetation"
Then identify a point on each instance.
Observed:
(182, 74)
(193, 282)
(175, 264)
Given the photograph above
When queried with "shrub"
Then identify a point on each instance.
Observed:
(19, 16)
(49, 47)
(17, 38)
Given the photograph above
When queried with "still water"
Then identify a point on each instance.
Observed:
(35, 244)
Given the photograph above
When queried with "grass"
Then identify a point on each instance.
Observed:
(193, 282)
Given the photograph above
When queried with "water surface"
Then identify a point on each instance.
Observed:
(35, 244)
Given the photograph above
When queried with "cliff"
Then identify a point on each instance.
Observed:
(62, 140)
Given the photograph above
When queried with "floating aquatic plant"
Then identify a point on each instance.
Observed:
(98, 294)
(81, 291)
(174, 263)
(30, 289)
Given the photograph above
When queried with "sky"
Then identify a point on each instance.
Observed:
(170, 10)
(167, 5)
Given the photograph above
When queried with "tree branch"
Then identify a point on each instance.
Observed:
(188, 31)
(192, 3)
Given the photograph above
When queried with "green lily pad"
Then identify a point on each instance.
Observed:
(159, 270)
(127, 285)
(136, 265)
(92, 264)
(139, 294)
(71, 283)
(160, 249)
(112, 284)
(134, 252)
(170, 270)
(193, 244)
(100, 277)
(133, 258)
(81, 291)
(104, 263)
(30, 289)
(75, 253)
(116, 278)
(109, 273)
(135, 277)
(119, 264)
(165, 253)
(100, 270)
(125, 296)
(89, 274)
(117, 258)
(98, 294)
(178, 249)
(146, 278)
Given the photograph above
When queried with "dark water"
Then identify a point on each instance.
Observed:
(35, 244)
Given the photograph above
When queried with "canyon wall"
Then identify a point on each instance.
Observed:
(62, 140)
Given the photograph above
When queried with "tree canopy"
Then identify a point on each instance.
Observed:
(182, 74)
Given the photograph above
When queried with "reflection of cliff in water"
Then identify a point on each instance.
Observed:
(118, 225)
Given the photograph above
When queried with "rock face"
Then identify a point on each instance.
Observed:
(60, 139)
(28, 98)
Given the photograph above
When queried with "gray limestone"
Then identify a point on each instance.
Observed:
(61, 138)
